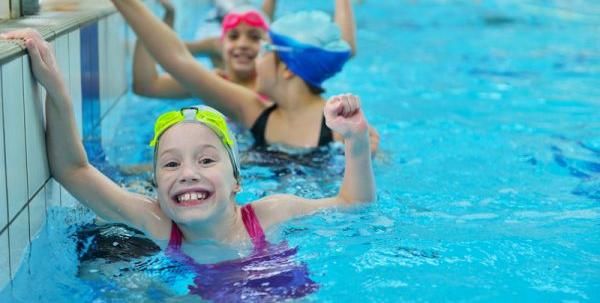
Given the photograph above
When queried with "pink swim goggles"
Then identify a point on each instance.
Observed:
(251, 18)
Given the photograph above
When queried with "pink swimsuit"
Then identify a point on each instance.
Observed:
(268, 274)
(251, 223)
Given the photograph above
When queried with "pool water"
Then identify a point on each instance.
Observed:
(488, 174)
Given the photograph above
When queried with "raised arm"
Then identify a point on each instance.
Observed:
(206, 47)
(268, 8)
(344, 18)
(146, 80)
(171, 53)
(67, 158)
(344, 116)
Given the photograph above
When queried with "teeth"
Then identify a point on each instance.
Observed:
(192, 196)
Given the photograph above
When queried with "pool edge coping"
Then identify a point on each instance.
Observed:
(50, 24)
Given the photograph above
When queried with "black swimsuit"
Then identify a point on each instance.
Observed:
(260, 126)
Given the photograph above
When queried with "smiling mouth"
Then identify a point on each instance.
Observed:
(243, 57)
(192, 198)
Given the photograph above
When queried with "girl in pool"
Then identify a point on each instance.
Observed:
(233, 53)
(197, 178)
(305, 50)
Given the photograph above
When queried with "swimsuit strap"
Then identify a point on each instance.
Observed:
(249, 218)
(175, 239)
(253, 227)
(260, 126)
(326, 135)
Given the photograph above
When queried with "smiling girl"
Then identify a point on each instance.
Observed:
(197, 176)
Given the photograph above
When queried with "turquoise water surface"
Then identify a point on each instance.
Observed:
(488, 172)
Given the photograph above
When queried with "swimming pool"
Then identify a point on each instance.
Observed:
(488, 175)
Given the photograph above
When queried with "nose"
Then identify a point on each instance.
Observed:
(188, 174)
(244, 41)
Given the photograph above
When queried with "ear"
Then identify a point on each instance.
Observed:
(237, 188)
(286, 72)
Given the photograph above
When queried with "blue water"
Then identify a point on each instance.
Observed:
(488, 175)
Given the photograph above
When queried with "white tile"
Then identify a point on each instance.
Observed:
(61, 49)
(113, 63)
(4, 10)
(52, 193)
(37, 213)
(66, 199)
(37, 162)
(3, 200)
(4, 260)
(75, 77)
(18, 236)
(14, 140)
(42, 94)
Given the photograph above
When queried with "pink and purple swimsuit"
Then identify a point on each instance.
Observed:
(268, 274)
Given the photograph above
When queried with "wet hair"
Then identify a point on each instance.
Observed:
(313, 89)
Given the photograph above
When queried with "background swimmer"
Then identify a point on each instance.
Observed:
(307, 49)
(232, 53)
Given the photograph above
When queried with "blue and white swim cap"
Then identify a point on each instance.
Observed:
(318, 51)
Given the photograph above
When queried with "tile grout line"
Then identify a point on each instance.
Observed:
(5, 178)
(25, 131)
(24, 207)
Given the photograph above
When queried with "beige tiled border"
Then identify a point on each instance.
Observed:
(18, 238)
(52, 24)
(27, 217)
(4, 260)
(3, 198)
(14, 136)
(37, 213)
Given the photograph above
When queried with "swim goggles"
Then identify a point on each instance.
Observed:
(251, 18)
(266, 47)
(210, 118)
(205, 115)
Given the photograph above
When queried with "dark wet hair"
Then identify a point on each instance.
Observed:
(313, 89)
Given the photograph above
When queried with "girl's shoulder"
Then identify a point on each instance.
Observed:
(275, 209)
(153, 220)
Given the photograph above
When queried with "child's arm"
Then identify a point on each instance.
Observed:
(171, 53)
(373, 138)
(146, 80)
(344, 18)
(206, 47)
(268, 8)
(67, 158)
(344, 116)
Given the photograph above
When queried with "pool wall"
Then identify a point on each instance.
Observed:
(91, 49)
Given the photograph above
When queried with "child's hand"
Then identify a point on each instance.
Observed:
(344, 116)
(43, 62)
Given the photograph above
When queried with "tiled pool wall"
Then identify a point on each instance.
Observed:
(92, 59)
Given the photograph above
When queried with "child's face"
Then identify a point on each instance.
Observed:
(194, 175)
(240, 47)
(266, 72)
